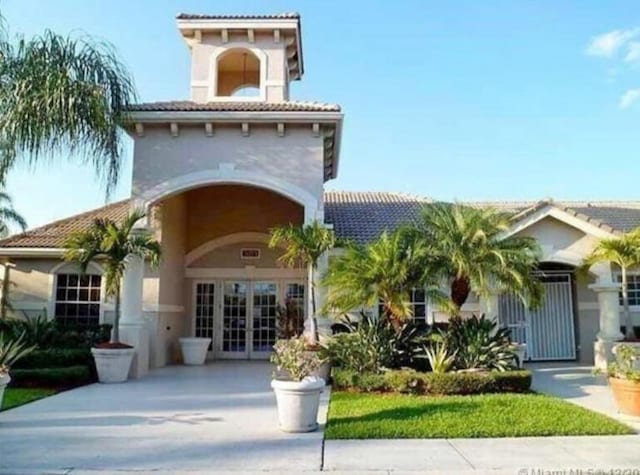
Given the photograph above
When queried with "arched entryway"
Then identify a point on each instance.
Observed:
(549, 331)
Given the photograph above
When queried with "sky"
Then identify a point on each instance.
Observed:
(455, 100)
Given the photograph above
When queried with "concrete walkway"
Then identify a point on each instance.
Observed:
(578, 385)
(220, 417)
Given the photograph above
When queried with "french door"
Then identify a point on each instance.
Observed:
(241, 316)
(249, 318)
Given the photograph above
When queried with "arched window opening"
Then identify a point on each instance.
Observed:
(238, 74)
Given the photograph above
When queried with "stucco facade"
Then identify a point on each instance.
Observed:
(216, 173)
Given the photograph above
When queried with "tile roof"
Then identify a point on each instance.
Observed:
(278, 16)
(54, 234)
(356, 216)
(233, 106)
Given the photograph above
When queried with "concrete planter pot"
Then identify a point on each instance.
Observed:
(194, 350)
(4, 382)
(627, 395)
(521, 352)
(298, 403)
(113, 364)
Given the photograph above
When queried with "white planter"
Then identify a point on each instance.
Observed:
(521, 351)
(298, 403)
(4, 382)
(194, 350)
(113, 364)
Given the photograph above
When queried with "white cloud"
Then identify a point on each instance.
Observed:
(629, 98)
(608, 44)
(633, 52)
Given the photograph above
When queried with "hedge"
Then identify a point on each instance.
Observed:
(414, 382)
(56, 358)
(51, 377)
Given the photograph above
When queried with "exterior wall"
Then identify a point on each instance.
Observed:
(272, 57)
(295, 160)
(218, 211)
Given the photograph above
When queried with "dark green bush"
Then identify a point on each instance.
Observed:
(56, 358)
(365, 382)
(512, 381)
(415, 382)
(405, 381)
(51, 377)
(39, 330)
(458, 383)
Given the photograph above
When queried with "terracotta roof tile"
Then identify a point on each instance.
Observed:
(244, 106)
(356, 216)
(278, 16)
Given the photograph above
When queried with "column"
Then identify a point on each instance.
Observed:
(133, 328)
(609, 334)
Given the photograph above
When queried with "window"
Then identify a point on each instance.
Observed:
(633, 288)
(418, 306)
(78, 299)
(295, 296)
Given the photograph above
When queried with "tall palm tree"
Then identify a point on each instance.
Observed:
(383, 273)
(62, 94)
(624, 251)
(114, 245)
(9, 217)
(473, 253)
(303, 247)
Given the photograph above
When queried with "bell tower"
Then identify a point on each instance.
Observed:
(236, 58)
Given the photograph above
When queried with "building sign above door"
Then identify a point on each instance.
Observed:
(249, 253)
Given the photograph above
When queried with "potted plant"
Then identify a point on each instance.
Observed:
(114, 244)
(624, 379)
(194, 350)
(297, 396)
(10, 352)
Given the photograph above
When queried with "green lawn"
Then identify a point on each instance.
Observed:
(400, 416)
(18, 396)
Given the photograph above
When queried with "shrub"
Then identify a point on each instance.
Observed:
(415, 382)
(45, 333)
(458, 383)
(365, 382)
(56, 358)
(293, 357)
(511, 381)
(51, 377)
(372, 345)
(480, 344)
(405, 381)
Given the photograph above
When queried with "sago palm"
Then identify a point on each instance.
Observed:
(474, 254)
(303, 247)
(383, 273)
(62, 95)
(9, 217)
(113, 244)
(624, 251)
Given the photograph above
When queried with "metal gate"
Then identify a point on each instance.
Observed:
(548, 331)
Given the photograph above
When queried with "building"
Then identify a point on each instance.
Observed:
(215, 173)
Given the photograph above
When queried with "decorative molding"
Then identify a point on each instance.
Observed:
(248, 272)
(197, 36)
(276, 36)
(315, 128)
(173, 126)
(139, 129)
(208, 129)
(280, 129)
(250, 35)
(235, 238)
(224, 35)
(245, 129)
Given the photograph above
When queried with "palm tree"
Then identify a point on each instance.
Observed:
(383, 273)
(60, 94)
(9, 217)
(114, 245)
(624, 251)
(474, 254)
(303, 247)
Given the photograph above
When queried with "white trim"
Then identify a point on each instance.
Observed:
(246, 273)
(553, 211)
(211, 24)
(165, 308)
(222, 175)
(53, 285)
(31, 251)
(227, 240)
(237, 116)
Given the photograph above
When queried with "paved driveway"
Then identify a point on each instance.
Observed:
(220, 417)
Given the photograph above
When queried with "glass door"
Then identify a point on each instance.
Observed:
(234, 321)
(264, 312)
(204, 311)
